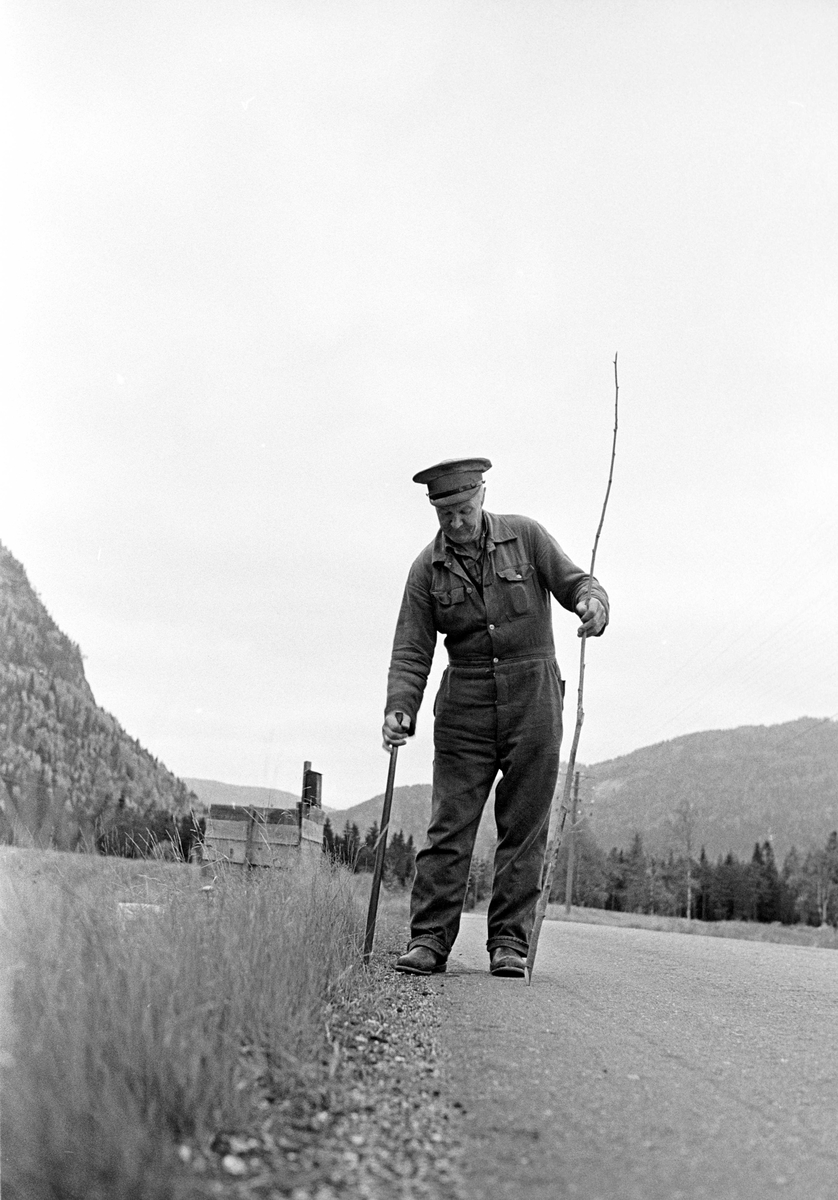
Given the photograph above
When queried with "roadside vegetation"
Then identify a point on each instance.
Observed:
(823, 937)
(157, 1023)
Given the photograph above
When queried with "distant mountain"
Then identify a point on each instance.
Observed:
(210, 791)
(728, 788)
(66, 765)
(733, 787)
(410, 813)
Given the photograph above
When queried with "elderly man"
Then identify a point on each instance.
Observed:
(485, 582)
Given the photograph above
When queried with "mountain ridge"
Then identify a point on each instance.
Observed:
(734, 787)
(212, 791)
(67, 767)
(721, 789)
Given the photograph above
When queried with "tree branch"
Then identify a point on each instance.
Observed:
(559, 817)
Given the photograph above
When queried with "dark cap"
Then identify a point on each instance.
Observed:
(453, 479)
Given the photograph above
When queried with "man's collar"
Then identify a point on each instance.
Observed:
(495, 529)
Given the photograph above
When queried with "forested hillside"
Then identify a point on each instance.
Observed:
(411, 813)
(723, 789)
(67, 767)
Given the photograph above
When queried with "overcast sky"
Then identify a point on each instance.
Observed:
(271, 259)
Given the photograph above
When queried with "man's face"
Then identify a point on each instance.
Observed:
(461, 522)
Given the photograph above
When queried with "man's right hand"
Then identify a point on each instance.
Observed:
(393, 731)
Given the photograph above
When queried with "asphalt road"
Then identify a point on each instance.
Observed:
(645, 1065)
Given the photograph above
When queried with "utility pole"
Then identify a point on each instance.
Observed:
(571, 846)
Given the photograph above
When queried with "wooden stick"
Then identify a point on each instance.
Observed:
(559, 815)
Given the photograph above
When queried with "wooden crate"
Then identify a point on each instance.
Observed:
(262, 837)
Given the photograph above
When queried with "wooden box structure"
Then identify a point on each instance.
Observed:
(250, 836)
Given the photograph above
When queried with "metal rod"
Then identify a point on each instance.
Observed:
(380, 851)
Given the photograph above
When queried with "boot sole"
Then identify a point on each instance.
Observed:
(440, 970)
(508, 972)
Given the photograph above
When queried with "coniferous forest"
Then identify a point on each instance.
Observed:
(803, 889)
(358, 853)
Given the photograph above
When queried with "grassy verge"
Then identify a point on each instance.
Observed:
(130, 1033)
(824, 937)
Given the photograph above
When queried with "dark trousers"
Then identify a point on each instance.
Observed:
(505, 718)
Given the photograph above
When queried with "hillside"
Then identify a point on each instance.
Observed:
(732, 789)
(733, 786)
(66, 766)
(410, 813)
(210, 791)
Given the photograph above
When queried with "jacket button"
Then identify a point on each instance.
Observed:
(469, 590)
(495, 660)
(491, 626)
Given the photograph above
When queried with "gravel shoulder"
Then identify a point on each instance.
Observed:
(372, 1120)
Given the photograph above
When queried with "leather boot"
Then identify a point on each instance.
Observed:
(506, 962)
(421, 960)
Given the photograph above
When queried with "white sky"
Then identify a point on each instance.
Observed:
(270, 259)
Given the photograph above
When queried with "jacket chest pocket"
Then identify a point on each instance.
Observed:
(448, 607)
(516, 586)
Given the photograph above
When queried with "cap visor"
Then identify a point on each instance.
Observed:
(457, 498)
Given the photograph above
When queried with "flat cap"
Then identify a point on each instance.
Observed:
(453, 478)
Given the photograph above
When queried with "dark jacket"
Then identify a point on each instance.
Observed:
(522, 566)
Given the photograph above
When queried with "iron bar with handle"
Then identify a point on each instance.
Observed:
(381, 850)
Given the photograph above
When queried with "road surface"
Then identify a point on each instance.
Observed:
(646, 1066)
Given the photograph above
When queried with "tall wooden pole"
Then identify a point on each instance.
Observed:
(571, 848)
(559, 814)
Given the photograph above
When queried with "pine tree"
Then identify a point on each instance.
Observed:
(768, 897)
(615, 878)
(635, 878)
(705, 907)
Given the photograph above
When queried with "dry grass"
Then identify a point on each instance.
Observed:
(124, 1034)
(824, 937)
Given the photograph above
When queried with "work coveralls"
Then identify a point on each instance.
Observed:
(498, 708)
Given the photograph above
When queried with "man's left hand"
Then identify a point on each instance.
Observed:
(592, 615)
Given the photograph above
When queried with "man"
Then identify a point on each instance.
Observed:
(484, 582)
